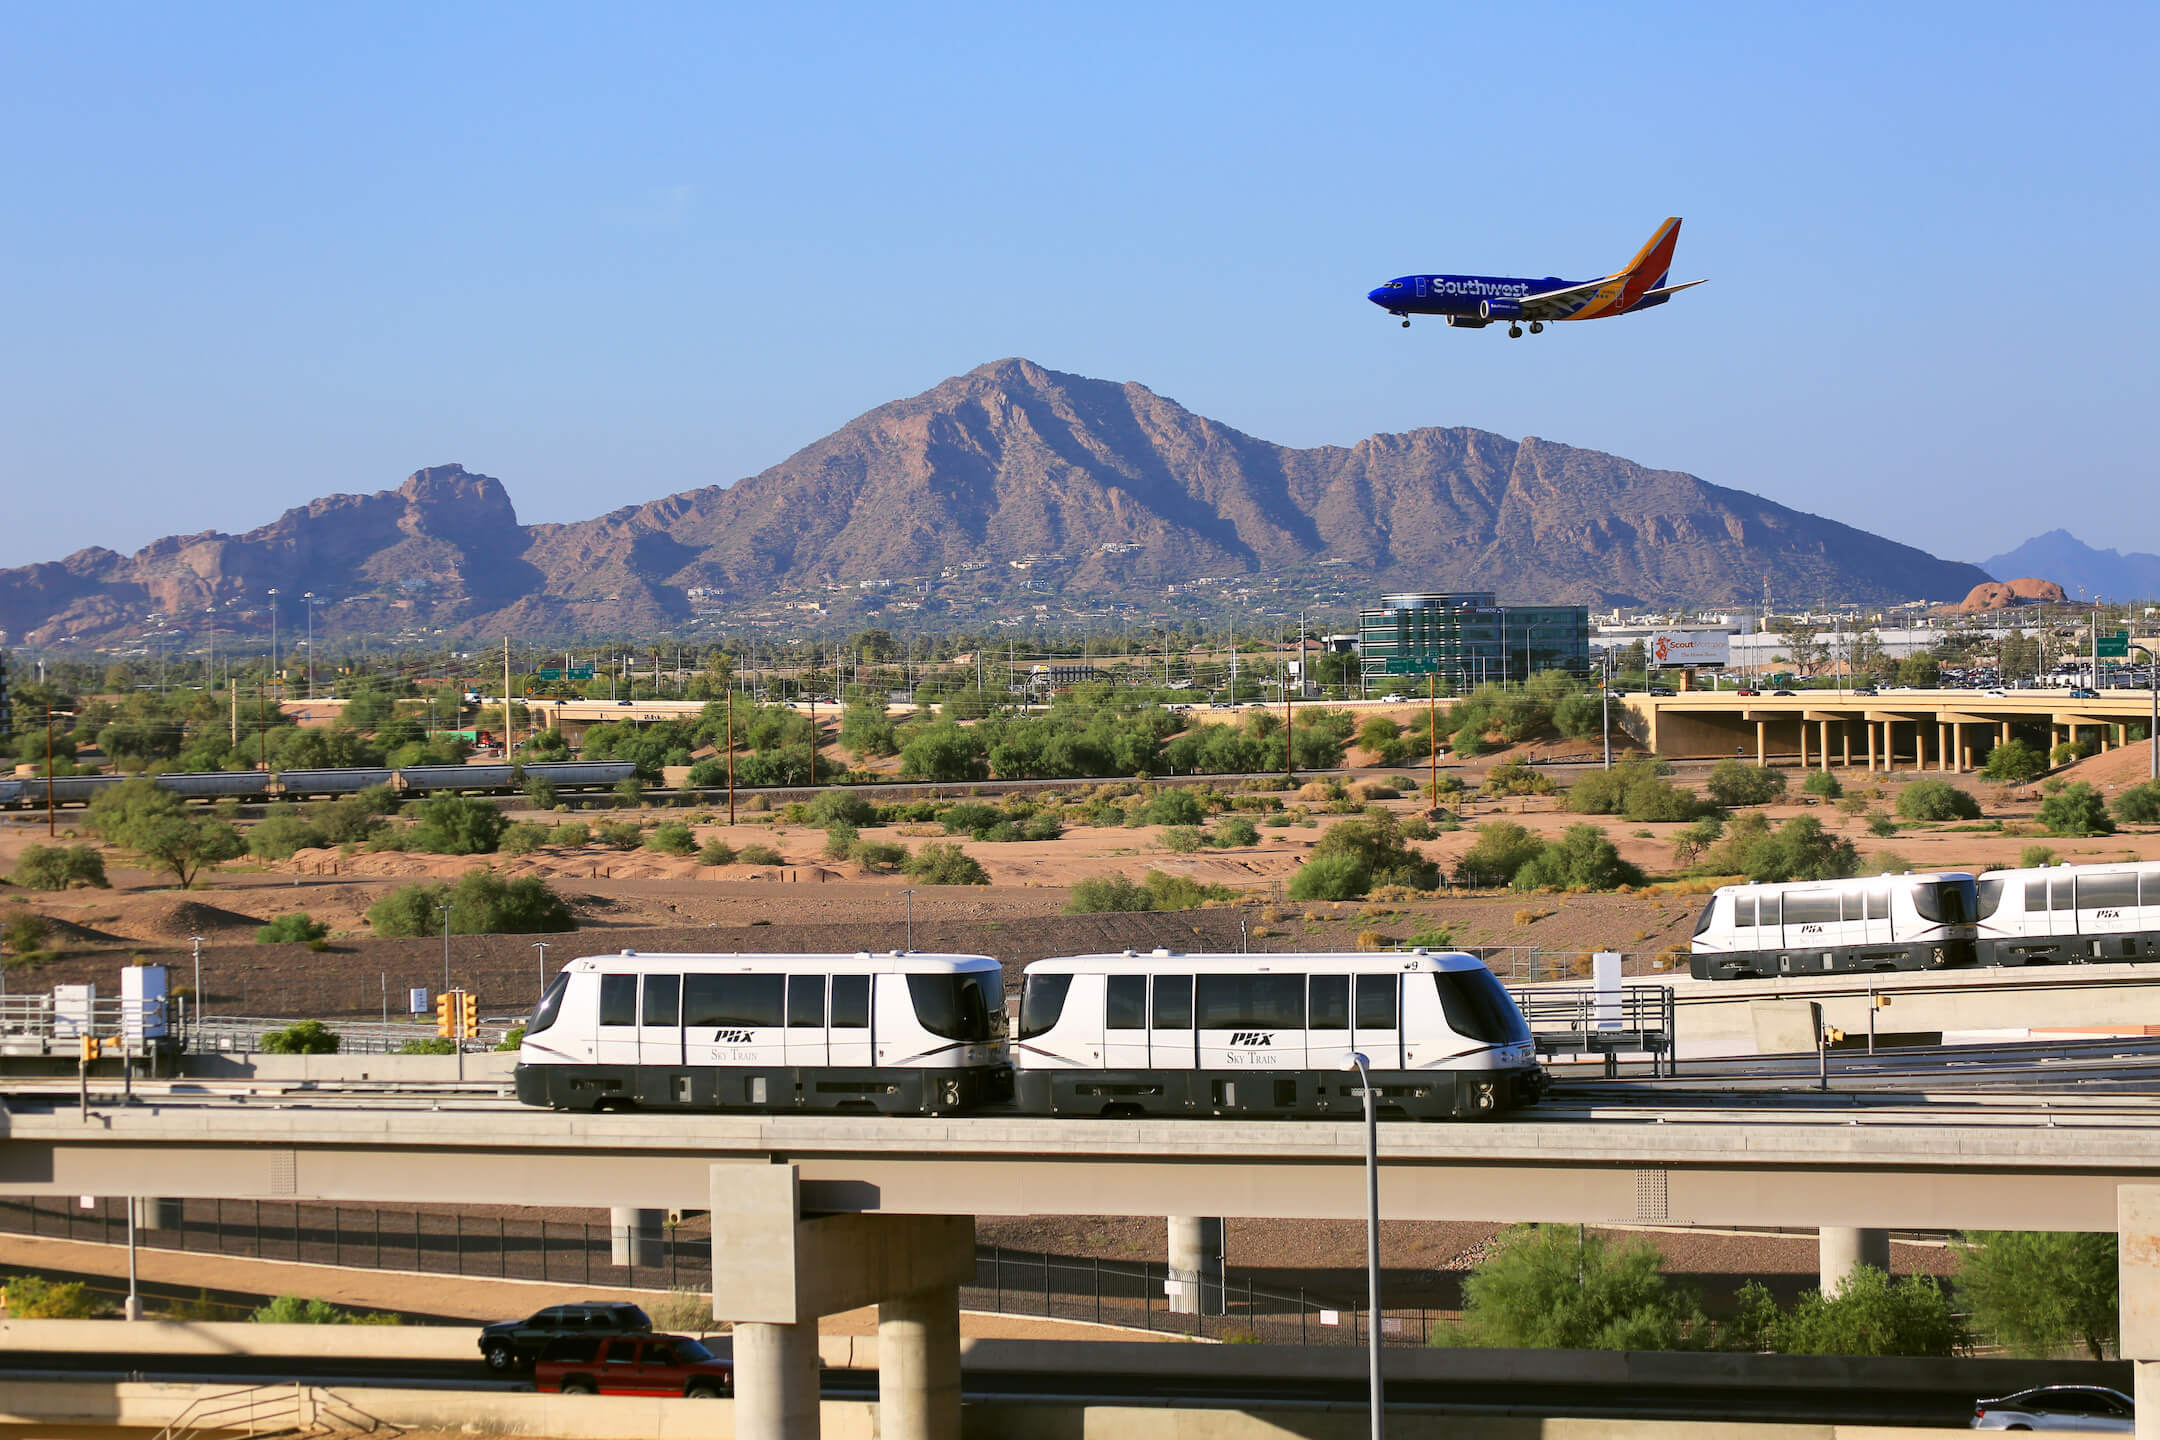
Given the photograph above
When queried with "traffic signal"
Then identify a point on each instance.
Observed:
(446, 1015)
(1832, 1035)
(468, 1015)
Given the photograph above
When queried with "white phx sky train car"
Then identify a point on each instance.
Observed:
(894, 1033)
(1814, 927)
(2070, 914)
(1265, 1035)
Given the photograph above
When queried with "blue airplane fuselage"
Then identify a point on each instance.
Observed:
(1456, 294)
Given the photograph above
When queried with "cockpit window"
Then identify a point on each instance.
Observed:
(1392, 285)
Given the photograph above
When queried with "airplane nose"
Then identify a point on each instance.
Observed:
(1378, 295)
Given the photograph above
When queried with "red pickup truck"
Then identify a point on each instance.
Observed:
(633, 1365)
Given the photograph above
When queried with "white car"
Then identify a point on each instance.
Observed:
(1393, 699)
(2089, 1408)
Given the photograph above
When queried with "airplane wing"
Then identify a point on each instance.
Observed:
(1559, 304)
(1673, 289)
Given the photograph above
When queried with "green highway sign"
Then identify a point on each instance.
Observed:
(1406, 665)
(581, 672)
(548, 673)
(2113, 647)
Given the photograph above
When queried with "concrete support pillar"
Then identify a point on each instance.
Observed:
(1825, 746)
(1845, 735)
(1942, 746)
(634, 1237)
(1196, 1265)
(1762, 743)
(2002, 733)
(156, 1213)
(1803, 744)
(1841, 1251)
(919, 1366)
(776, 1380)
(1959, 748)
(2137, 1233)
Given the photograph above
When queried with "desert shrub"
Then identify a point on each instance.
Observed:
(1041, 827)
(1516, 778)
(879, 857)
(33, 1297)
(1582, 859)
(973, 819)
(513, 1038)
(1800, 849)
(297, 928)
(1936, 800)
(2076, 810)
(2036, 857)
(1733, 782)
(294, 1310)
(2040, 1293)
(2014, 762)
(2070, 752)
(1183, 839)
(482, 903)
(1105, 894)
(280, 836)
(942, 863)
(757, 854)
(522, 838)
(716, 852)
(1552, 1287)
(1823, 784)
(1331, 877)
(1235, 832)
(839, 803)
(1375, 839)
(1871, 1315)
(540, 792)
(1690, 844)
(671, 838)
(619, 834)
(432, 1045)
(457, 825)
(1501, 849)
(56, 867)
(1176, 807)
(304, 1037)
(2138, 805)
(1636, 788)
(1882, 827)
(24, 934)
(841, 839)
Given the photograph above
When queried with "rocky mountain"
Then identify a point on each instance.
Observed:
(2083, 571)
(1008, 476)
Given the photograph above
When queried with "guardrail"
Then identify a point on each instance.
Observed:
(1581, 1021)
(55, 1024)
(243, 1035)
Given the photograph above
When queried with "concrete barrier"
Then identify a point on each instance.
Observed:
(482, 1067)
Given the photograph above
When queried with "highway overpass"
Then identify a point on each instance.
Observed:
(1902, 729)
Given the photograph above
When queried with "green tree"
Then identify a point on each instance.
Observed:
(115, 811)
(1734, 783)
(1871, 1315)
(1922, 672)
(2014, 762)
(2037, 1293)
(671, 838)
(1800, 849)
(1501, 849)
(482, 903)
(1375, 840)
(304, 1037)
(1822, 784)
(24, 934)
(57, 867)
(865, 731)
(1936, 800)
(279, 837)
(1553, 1287)
(1342, 876)
(33, 1297)
(294, 1310)
(2076, 810)
(1582, 859)
(1105, 894)
(183, 844)
(457, 825)
(944, 751)
(2138, 805)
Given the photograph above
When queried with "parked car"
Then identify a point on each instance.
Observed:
(514, 1344)
(2091, 1408)
(633, 1365)
(1867, 690)
(1662, 690)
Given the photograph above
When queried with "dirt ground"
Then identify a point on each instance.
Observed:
(644, 900)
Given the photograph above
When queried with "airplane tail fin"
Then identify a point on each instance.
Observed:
(1651, 267)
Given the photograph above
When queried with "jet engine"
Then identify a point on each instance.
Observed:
(1499, 310)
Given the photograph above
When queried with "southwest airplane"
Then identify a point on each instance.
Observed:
(1471, 302)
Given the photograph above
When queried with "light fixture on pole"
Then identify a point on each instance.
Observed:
(196, 1028)
(1357, 1061)
(541, 946)
(2152, 728)
(910, 895)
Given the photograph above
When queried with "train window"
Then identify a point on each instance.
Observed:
(1878, 902)
(1477, 1008)
(618, 999)
(1709, 911)
(550, 1005)
(748, 1001)
(1042, 1001)
(951, 1006)
(1376, 1002)
(1126, 1008)
(1173, 1002)
(2035, 896)
(1330, 1002)
(1947, 902)
(663, 1000)
(1743, 910)
(806, 1001)
(2111, 892)
(2150, 884)
(851, 1002)
(1991, 894)
(2060, 894)
(1811, 907)
(1250, 1002)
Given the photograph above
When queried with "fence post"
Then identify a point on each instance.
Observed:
(997, 1279)
(1301, 1317)
(258, 1229)
(378, 1238)
(457, 1240)
(337, 1236)
(588, 1250)
(296, 1230)
(1046, 1284)
(1098, 1289)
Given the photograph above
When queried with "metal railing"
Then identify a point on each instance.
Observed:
(243, 1034)
(51, 1024)
(1583, 1020)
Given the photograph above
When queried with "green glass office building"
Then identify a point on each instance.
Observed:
(1467, 639)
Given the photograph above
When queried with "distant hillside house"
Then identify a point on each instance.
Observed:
(1467, 639)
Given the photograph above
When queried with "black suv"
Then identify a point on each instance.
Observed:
(511, 1344)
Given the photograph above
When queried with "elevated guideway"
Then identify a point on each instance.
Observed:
(1903, 729)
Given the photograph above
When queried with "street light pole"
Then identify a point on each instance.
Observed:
(1355, 1060)
(2152, 728)
(541, 946)
(446, 909)
(273, 638)
(309, 597)
(1605, 706)
(197, 1006)
(910, 894)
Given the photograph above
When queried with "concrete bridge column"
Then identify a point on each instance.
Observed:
(1196, 1264)
(1803, 744)
(2137, 1233)
(1942, 745)
(1870, 724)
(1762, 744)
(1957, 744)
(776, 1381)
(634, 1237)
(1845, 736)
(2002, 732)
(1825, 746)
(919, 1366)
(1841, 1251)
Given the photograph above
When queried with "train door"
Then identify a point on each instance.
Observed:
(2107, 910)
(660, 1037)
(2051, 904)
(1250, 1022)
(1171, 1035)
(847, 1036)
(615, 1042)
(1875, 914)
(806, 1037)
(736, 1020)
(1327, 1019)
(1378, 1015)
(1125, 1033)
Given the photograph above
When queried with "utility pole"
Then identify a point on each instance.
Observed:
(1289, 748)
(309, 598)
(813, 716)
(273, 637)
(1432, 730)
(506, 698)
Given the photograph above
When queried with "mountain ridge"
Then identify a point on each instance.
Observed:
(2084, 571)
(1014, 476)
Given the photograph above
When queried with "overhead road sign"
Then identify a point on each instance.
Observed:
(2113, 647)
(1408, 665)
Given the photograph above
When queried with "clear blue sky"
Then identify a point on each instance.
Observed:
(249, 255)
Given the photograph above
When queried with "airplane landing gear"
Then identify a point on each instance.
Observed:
(1537, 327)
(1514, 332)
(1405, 324)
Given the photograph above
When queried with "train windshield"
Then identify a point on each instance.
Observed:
(957, 1007)
(1989, 897)
(550, 1005)
(1042, 1001)
(1478, 1008)
(1948, 902)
